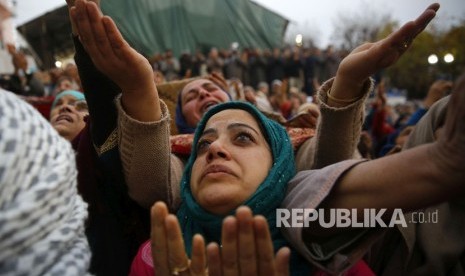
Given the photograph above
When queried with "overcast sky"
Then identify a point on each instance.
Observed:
(316, 16)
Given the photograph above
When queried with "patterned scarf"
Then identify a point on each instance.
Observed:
(41, 215)
(266, 199)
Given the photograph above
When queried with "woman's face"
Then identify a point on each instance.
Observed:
(233, 159)
(67, 116)
(197, 97)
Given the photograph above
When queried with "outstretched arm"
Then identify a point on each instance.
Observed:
(99, 90)
(142, 118)
(414, 178)
(342, 99)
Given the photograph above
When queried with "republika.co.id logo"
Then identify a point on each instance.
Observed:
(339, 217)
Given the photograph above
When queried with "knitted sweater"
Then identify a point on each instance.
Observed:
(149, 165)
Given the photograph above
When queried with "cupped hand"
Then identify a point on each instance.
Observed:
(168, 251)
(246, 248)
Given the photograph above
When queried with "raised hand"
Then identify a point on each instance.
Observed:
(114, 57)
(246, 248)
(70, 4)
(369, 58)
(437, 91)
(219, 80)
(168, 251)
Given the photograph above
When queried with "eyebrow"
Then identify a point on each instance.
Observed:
(193, 90)
(231, 126)
(204, 85)
(238, 125)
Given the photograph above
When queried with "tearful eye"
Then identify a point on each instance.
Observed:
(244, 137)
(203, 145)
(81, 106)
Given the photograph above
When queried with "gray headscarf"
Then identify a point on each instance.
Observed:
(41, 214)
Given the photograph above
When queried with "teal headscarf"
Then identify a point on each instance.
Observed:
(266, 199)
(78, 95)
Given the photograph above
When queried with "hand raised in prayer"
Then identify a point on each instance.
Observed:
(114, 57)
(109, 51)
(70, 4)
(168, 251)
(369, 58)
(219, 80)
(437, 91)
(246, 248)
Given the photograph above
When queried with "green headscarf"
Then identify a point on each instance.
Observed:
(78, 95)
(266, 199)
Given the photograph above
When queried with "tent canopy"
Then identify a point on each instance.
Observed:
(154, 26)
(49, 36)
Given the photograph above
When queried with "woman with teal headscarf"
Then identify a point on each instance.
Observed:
(241, 158)
(267, 197)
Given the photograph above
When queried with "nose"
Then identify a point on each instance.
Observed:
(217, 150)
(203, 93)
(64, 108)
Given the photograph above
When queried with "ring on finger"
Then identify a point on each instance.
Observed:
(178, 269)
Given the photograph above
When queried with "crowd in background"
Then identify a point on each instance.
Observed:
(279, 80)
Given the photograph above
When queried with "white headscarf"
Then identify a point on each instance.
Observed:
(41, 215)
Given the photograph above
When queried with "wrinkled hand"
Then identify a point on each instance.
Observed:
(246, 248)
(437, 91)
(168, 251)
(108, 50)
(369, 58)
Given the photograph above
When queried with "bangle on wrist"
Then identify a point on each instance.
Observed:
(342, 101)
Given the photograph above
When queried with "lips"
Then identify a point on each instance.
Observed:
(206, 106)
(215, 169)
(64, 117)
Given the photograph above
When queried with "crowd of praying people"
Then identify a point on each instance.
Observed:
(101, 182)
